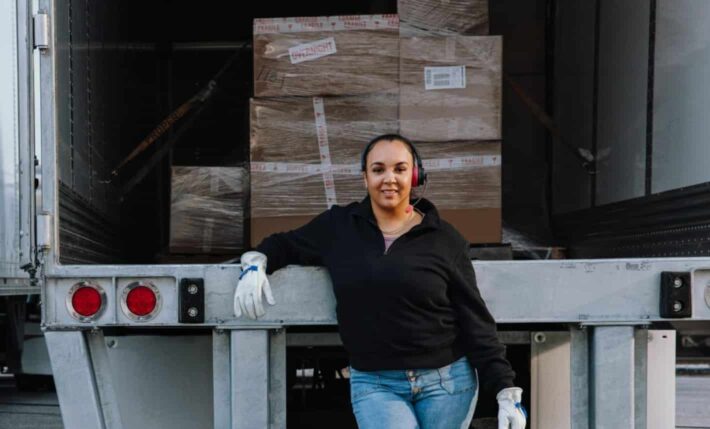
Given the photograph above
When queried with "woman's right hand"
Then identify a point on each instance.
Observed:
(252, 284)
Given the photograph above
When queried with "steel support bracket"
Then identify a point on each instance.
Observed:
(676, 295)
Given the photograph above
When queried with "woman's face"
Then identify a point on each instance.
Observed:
(388, 174)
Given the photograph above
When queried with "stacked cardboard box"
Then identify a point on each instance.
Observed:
(323, 86)
(450, 88)
(464, 184)
(361, 81)
(337, 55)
(443, 17)
(305, 152)
(450, 105)
(207, 210)
(290, 185)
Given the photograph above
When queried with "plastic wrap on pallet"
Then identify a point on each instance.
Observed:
(338, 55)
(305, 157)
(305, 151)
(207, 209)
(443, 17)
(451, 88)
(526, 246)
(464, 183)
(462, 175)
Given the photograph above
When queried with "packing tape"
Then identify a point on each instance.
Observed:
(437, 164)
(324, 149)
(207, 235)
(450, 48)
(303, 168)
(325, 23)
(462, 162)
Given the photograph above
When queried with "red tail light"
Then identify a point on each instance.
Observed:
(140, 301)
(86, 301)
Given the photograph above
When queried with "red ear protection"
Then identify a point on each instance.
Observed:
(415, 176)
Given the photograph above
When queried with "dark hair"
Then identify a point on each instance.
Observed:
(388, 137)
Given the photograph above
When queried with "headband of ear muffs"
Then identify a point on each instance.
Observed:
(419, 175)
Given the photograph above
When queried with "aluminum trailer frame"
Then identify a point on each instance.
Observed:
(593, 376)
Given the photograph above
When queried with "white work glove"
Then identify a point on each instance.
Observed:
(511, 414)
(252, 283)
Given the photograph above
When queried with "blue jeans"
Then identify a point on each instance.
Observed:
(420, 398)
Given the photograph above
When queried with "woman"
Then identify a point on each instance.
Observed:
(409, 312)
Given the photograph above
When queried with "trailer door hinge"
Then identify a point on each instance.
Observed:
(44, 231)
(41, 31)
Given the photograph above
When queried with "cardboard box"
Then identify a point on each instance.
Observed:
(207, 210)
(339, 55)
(450, 88)
(305, 152)
(464, 184)
(439, 17)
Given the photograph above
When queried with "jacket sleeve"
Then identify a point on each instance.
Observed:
(302, 246)
(478, 329)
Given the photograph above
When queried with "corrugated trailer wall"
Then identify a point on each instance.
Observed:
(628, 87)
(106, 94)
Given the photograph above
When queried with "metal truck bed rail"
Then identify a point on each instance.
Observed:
(595, 374)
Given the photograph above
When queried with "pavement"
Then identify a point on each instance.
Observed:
(32, 410)
(27, 410)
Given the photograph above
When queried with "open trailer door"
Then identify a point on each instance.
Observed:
(18, 262)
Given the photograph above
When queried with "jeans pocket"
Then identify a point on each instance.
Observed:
(458, 377)
(362, 384)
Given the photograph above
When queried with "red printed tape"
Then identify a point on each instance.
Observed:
(325, 23)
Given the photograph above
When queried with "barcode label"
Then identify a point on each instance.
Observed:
(444, 77)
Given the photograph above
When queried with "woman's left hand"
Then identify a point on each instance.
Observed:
(511, 413)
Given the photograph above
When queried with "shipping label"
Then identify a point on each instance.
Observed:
(312, 51)
(444, 77)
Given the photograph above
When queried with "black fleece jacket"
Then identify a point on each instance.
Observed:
(415, 306)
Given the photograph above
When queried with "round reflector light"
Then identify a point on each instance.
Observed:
(85, 301)
(141, 300)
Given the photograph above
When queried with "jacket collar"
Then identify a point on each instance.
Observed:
(431, 215)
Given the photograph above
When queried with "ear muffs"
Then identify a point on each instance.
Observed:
(415, 176)
(419, 175)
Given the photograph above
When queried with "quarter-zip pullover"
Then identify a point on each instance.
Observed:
(413, 306)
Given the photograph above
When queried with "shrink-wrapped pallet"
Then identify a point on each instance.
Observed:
(207, 209)
(305, 157)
